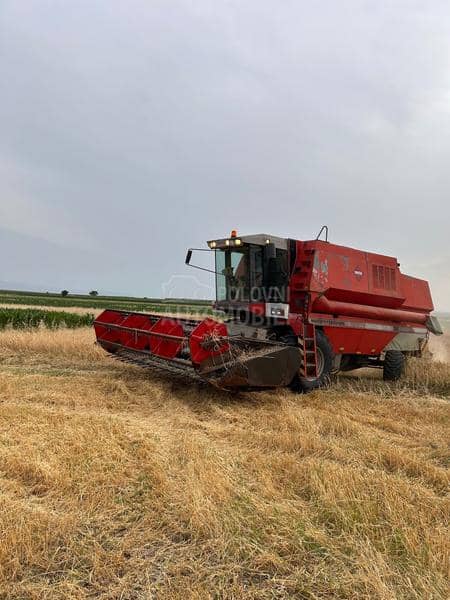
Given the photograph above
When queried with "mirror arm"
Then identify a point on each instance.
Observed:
(189, 256)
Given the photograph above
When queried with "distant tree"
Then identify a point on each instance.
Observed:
(93, 293)
(64, 293)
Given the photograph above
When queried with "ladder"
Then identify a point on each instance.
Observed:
(308, 350)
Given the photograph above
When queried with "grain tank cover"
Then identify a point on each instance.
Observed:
(345, 274)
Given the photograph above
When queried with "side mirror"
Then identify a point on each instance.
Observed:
(189, 256)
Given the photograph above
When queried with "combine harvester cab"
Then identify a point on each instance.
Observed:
(293, 313)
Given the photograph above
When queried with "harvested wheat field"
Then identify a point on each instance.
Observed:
(116, 484)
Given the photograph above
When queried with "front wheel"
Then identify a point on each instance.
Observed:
(325, 364)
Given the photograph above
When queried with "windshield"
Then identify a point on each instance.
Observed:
(239, 271)
(232, 279)
(245, 274)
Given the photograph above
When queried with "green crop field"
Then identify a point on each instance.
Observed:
(178, 305)
(20, 318)
(134, 299)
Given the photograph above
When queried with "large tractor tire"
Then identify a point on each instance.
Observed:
(394, 365)
(325, 367)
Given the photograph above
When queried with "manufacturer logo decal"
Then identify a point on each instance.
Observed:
(358, 273)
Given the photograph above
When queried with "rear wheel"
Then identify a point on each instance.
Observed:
(394, 365)
(325, 358)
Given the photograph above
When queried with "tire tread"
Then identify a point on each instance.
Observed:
(394, 365)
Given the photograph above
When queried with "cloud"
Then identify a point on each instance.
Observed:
(137, 129)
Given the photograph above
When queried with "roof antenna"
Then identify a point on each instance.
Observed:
(324, 228)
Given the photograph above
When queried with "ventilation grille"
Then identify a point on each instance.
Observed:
(384, 277)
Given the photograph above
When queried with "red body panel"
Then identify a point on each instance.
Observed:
(417, 295)
(348, 275)
(357, 341)
(345, 286)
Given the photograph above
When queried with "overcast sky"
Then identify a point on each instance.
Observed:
(130, 130)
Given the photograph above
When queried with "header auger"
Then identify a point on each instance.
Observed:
(292, 314)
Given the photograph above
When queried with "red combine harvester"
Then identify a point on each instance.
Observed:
(293, 313)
